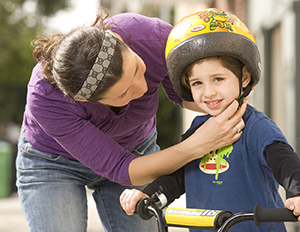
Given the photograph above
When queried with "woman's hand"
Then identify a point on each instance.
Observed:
(129, 198)
(293, 204)
(220, 131)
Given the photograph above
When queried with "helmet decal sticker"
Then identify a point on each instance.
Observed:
(218, 18)
(198, 28)
(259, 66)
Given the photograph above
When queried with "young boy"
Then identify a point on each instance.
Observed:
(212, 59)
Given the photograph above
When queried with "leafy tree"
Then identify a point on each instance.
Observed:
(168, 121)
(19, 20)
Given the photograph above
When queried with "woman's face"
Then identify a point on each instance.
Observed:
(131, 86)
(213, 86)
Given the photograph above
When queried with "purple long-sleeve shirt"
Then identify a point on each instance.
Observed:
(92, 133)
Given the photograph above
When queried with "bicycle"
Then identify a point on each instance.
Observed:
(206, 219)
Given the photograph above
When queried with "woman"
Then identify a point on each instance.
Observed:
(90, 121)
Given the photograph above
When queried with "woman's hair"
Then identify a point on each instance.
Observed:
(229, 62)
(68, 58)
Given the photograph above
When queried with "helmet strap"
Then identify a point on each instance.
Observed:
(245, 90)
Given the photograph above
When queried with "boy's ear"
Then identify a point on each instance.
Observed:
(246, 77)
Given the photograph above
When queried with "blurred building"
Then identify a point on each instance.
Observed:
(276, 26)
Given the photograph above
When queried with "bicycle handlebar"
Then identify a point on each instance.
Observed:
(204, 219)
(219, 220)
(273, 215)
(259, 215)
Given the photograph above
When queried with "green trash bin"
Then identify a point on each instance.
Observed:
(5, 169)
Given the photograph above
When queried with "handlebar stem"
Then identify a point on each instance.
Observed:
(160, 221)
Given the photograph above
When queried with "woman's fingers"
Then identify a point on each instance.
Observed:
(224, 129)
(232, 120)
(229, 112)
(236, 117)
(233, 113)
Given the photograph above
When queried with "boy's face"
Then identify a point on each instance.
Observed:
(213, 86)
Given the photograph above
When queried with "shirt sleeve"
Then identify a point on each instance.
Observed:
(172, 186)
(285, 165)
(63, 121)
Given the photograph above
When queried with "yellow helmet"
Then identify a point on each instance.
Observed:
(207, 33)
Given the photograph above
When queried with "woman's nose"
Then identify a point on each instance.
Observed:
(141, 86)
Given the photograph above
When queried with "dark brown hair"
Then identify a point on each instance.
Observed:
(229, 62)
(68, 58)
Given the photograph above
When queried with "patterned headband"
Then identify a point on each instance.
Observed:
(99, 68)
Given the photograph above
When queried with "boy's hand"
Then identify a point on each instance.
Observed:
(129, 198)
(293, 204)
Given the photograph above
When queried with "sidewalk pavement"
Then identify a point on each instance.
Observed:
(12, 218)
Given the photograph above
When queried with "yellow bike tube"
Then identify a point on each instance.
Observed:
(195, 218)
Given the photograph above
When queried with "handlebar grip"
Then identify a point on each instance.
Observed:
(142, 209)
(273, 215)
